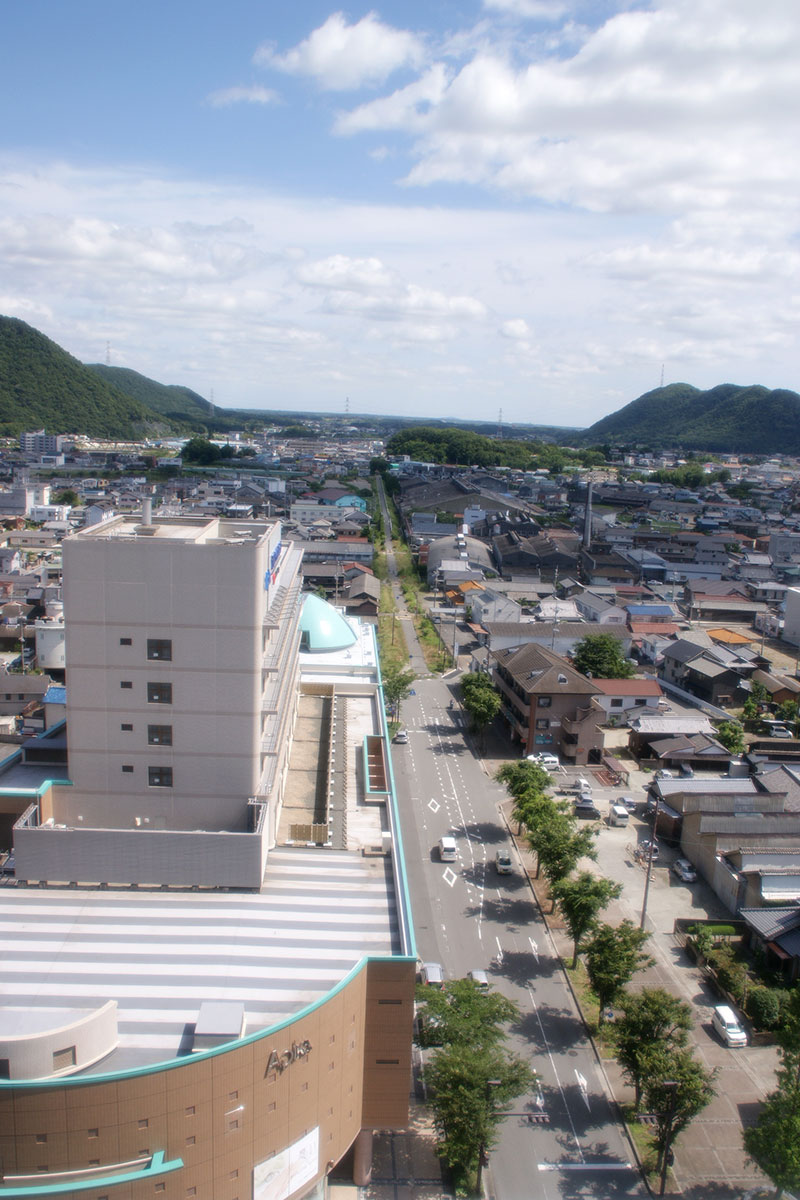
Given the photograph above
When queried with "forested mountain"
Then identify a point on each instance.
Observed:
(462, 447)
(178, 403)
(42, 386)
(728, 418)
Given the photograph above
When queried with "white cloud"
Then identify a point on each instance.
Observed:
(341, 56)
(517, 329)
(544, 10)
(242, 95)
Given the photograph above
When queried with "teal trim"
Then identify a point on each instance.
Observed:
(36, 793)
(9, 1085)
(156, 1167)
(404, 895)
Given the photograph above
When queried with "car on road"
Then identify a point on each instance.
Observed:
(447, 849)
(401, 737)
(431, 974)
(684, 870)
(726, 1027)
(502, 863)
(480, 979)
(585, 808)
(548, 761)
(664, 774)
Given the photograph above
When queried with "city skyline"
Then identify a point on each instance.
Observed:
(526, 205)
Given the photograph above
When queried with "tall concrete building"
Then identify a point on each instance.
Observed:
(208, 967)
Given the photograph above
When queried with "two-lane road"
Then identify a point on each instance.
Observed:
(467, 916)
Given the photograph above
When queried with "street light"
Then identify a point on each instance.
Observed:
(490, 1083)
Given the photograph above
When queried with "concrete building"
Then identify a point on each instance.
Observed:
(210, 992)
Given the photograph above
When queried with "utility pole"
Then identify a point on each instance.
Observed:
(672, 1086)
(650, 865)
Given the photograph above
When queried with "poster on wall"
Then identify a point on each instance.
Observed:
(278, 1177)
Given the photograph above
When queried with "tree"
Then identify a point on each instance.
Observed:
(599, 655)
(67, 496)
(773, 1143)
(560, 846)
(481, 700)
(469, 1087)
(580, 900)
(678, 1088)
(731, 735)
(650, 1019)
(613, 956)
(396, 686)
(460, 1013)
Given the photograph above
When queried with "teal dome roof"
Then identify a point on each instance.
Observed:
(322, 628)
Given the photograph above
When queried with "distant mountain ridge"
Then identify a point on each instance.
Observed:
(727, 418)
(176, 403)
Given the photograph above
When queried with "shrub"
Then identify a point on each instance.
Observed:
(764, 1007)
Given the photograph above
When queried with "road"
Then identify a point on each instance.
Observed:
(467, 916)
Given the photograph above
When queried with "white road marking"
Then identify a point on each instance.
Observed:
(449, 876)
(535, 950)
(587, 1166)
(555, 1074)
(434, 805)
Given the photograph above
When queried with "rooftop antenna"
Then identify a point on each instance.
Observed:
(347, 404)
(500, 424)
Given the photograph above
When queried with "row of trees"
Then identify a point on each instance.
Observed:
(651, 1031)
(471, 1076)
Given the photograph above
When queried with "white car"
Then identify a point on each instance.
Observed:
(502, 863)
(548, 761)
(684, 870)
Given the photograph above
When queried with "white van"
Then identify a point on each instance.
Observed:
(447, 849)
(725, 1025)
(618, 815)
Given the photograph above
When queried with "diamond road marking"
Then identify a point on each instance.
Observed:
(450, 877)
(434, 805)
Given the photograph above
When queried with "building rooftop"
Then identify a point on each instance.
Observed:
(162, 954)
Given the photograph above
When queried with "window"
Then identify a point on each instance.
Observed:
(93, 1133)
(64, 1058)
(159, 735)
(159, 693)
(126, 641)
(40, 1139)
(160, 648)
(159, 776)
(616, 703)
(190, 1110)
(127, 769)
(542, 723)
(143, 1122)
(544, 701)
(126, 728)
(126, 683)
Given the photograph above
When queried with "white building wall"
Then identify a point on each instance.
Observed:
(791, 620)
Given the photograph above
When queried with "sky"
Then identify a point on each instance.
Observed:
(516, 210)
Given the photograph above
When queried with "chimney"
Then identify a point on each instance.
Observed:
(147, 512)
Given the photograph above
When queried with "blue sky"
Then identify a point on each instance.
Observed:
(430, 209)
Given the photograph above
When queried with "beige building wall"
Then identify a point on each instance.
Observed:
(199, 589)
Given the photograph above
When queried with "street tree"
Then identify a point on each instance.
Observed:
(650, 1019)
(560, 846)
(469, 1087)
(613, 956)
(600, 656)
(731, 735)
(677, 1088)
(460, 1013)
(481, 701)
(580, 900)
(396, 686)
(773, 1143)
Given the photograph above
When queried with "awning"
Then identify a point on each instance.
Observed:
(776, 950)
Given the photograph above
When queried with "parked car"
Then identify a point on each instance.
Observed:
(629, 803)
(664, 774)
(502, 863)
(401, 737)
(585, 808)
(686, 771)
(548, 761)
(480, 979)
(684, 870)
(432, 975)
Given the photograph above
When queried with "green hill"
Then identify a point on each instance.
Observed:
(177, 403)
(42, 386)
(726, 418)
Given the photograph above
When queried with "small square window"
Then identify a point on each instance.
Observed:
(190, 1141)
(159, 693)
(126, 683)
(190, 1110)
(92, 1133)
(126, 728)
(143, 1123)
(94, 1162)
(159, 777)
(544, 701)
(127, 769)
(159, 735)
(40, 1139)
(234, 1173)
(233, 1095)
(160, 1187)
(159, 648)
(126, 641)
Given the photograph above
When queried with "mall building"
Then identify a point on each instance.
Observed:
(208, 958)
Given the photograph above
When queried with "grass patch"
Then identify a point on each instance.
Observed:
(642, 1138)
